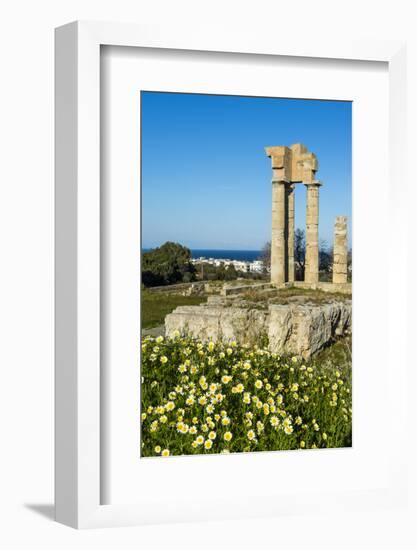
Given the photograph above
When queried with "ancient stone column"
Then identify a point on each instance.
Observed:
(340, 250)
(278, 241)
(311, 274)
(291, 229)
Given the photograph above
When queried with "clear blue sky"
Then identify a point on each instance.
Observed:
(206, 181)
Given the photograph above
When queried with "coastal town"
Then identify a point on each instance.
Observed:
(256, 266)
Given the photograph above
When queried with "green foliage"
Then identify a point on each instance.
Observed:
(210, 398)
(230, 274)
(210, 272)
(166, 265)
(254, 276)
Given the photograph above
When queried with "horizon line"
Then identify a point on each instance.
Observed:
(212, 248)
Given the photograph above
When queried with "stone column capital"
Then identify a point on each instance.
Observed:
(283, 181)
(314, 183)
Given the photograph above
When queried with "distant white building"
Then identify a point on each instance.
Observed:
(256, 266)
(241, 266)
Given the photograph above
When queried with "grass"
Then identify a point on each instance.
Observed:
(314, 296)
(336, 356)
(284, 295)
(154, 306)
(245, 282)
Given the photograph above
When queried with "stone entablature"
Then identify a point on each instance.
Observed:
(294, 164)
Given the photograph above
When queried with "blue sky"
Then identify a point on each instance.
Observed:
(206, 181)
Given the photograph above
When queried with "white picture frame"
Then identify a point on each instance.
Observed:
(78, 265)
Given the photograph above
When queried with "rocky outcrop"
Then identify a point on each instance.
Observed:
(305, 329)
(296, 329)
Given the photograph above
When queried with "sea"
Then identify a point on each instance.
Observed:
(240, 255)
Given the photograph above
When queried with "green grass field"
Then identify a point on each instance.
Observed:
(155, 305)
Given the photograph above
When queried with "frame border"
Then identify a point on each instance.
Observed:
(77, 238)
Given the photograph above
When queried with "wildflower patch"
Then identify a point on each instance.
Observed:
(201, 398)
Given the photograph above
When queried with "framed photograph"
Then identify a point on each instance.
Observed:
(227, 219)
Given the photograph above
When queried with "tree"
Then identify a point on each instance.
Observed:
(230, 273)
(325, 257)
(221, 272)
(266, 256)
(187, 277)
(299, 253)
(208, 272)
(167, 264)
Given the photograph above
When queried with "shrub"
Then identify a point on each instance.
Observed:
(167, 264)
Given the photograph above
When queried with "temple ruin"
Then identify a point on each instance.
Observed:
(297, 325)
(292, 165)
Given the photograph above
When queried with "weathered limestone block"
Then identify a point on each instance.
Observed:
(218, 323)
(296, 329)
(340, 250)
(197, 321)
(305, 329)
